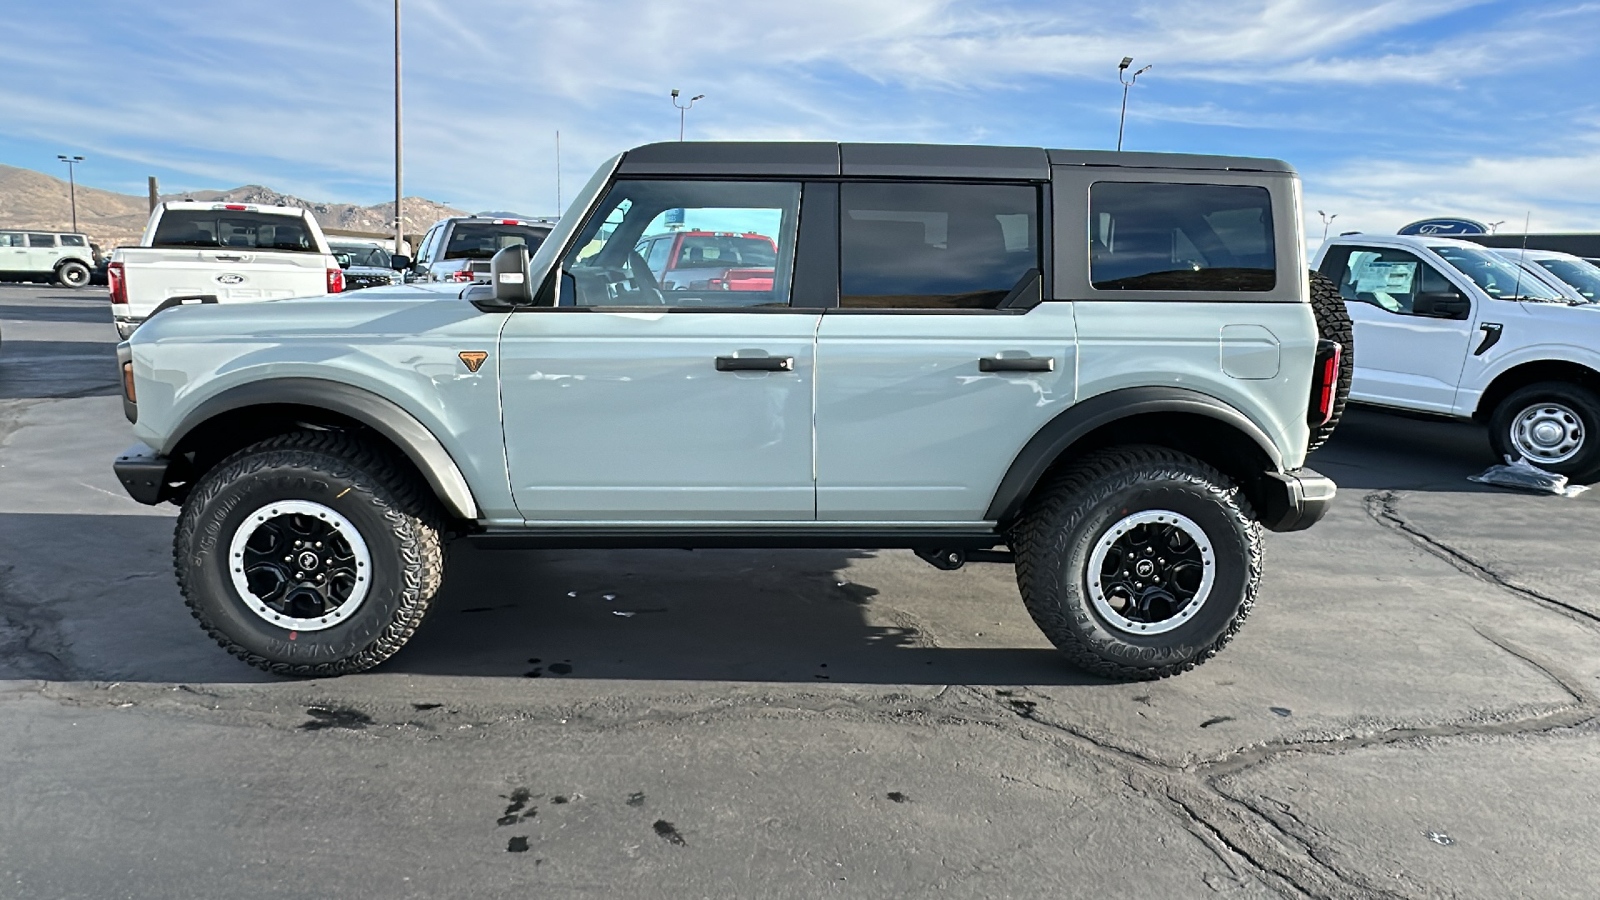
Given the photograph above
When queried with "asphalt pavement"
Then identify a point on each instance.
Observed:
(1410, 711)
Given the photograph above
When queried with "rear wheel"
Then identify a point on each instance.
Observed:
(73, 274)
(1554, 425)
(311, 553)
(1138, 562)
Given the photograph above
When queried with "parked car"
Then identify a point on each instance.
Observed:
(459, 249)
(710, 260)
(1577, 278)
(198, 252)
(1451, 328)
(1124, 396)
(367, 265)
(50, 256)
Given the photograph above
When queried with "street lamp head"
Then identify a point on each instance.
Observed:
(674, 93)
(697, 97)
(1126, 62)
(1144, 70)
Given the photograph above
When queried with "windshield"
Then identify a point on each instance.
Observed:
(1584, 276)
(363, 254)
(482, 240)
(1498, 278)
(230, 228)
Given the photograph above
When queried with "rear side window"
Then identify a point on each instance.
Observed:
(1180, 237)
(72, 240)
(41, 240)
(228, 228)
(910, 245)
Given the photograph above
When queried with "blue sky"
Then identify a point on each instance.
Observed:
(1392, 110)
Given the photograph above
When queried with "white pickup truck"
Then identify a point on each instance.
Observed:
(197, 252)
(1449, 327)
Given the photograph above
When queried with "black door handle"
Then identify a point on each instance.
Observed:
(755, 364)
(1017, 364)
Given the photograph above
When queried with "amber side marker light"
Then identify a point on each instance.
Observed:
(127, 382)
(473, 359)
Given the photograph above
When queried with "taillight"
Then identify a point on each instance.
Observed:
(127, 382)
(335, 281)
(119, 286)
(1324, 383)
(461, 275)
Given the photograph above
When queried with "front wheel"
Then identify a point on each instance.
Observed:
(309, 554)
(1554, 425)
(73, 274)
(1138, 562)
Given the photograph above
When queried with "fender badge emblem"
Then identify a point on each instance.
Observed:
(473, 359)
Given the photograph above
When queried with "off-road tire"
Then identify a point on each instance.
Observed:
(1065, 517)
(1333, 324)
(393, 513)
(73, 274)
(1584, 466)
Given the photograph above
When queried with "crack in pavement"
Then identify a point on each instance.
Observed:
(1383, 508)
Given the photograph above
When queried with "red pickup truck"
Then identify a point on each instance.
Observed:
(710, 260)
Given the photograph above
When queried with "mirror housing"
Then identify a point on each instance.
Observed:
(343, 259)
(1450, 304)
(508, 273)
(399, 261)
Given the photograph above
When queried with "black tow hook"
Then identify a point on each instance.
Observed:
(950, 560)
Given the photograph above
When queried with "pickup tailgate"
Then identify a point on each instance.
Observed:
(152, 275)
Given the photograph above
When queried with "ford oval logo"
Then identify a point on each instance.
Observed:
(230, 278)
(1445, 226)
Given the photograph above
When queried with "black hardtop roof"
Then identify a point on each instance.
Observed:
(822, 159)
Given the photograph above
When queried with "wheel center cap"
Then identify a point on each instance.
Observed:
(1145, 568)
(307, 560)
(1547, 433)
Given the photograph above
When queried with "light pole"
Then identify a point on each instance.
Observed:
(1126, 83)
(399, 221)
(684, 109)
(72, 185)
(1494, 227)
(1326, 221)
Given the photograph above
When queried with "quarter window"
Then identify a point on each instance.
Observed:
(1180, 237)
(72, 240)
(936, 246)
(737, 237)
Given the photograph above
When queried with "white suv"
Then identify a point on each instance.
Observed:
(41, 255)
(1449, 327)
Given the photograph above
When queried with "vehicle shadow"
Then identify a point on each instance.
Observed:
(32, 370)
(97, 311)
(660, 615)
(1375, 449)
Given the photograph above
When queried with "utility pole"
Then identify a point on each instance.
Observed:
(559, 208)
(684, 109)
(1126, 83)
(72, 185)
(155, 193)
(399, 220)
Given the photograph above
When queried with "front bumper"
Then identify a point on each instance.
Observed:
(1295, 500)
(146, 475)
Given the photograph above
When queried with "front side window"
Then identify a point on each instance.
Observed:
(1180, 237)
(230, 228)
(1499, 278)
(72, 240)
(11, 239)
(912, 245)
(1394, 281)
(609, 264)
(41, 240)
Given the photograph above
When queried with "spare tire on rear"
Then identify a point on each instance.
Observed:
(1333, 324)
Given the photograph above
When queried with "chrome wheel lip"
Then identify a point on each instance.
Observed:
(1547, 433)
(1108, 540)
(241, 584)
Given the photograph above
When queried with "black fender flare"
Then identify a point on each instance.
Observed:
(378, 413)
(1066, 429)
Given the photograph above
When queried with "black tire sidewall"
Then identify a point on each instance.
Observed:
(276, 476)
(61, 274)
(1229, 541)
(1585, 465)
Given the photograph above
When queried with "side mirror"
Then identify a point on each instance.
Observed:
(508, 272)
(1441, 305)
(343, 259)
(398, 261)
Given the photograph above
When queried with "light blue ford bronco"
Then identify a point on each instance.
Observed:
(1108, 367)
